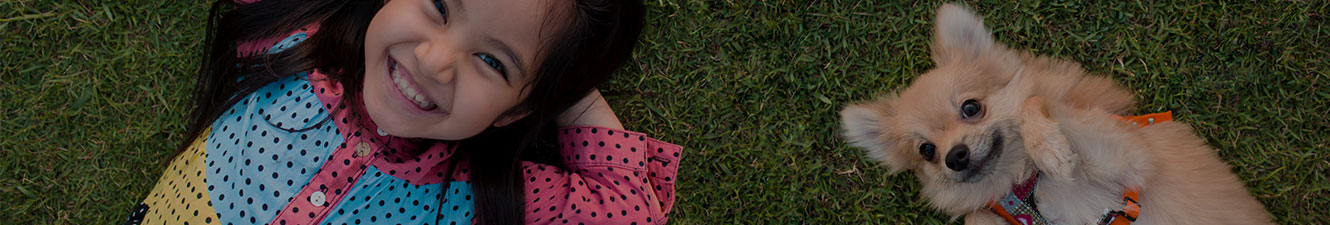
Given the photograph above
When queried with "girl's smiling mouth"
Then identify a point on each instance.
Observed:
(408, 90)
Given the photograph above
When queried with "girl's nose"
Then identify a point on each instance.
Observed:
(437, 61)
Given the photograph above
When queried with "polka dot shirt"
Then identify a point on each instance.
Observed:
(290, 154)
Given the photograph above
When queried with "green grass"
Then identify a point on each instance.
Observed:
(93, 95)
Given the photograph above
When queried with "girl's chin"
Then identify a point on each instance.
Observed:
(398, 124)
(390, 117)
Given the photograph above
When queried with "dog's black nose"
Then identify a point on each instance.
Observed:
(958, 158)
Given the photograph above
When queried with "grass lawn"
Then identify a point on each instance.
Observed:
(93, 96)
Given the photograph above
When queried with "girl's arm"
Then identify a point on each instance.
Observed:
(613, 176)
(591, 111)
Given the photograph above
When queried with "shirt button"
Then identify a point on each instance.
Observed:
(382, 133)
(362, 149)
(318, 198)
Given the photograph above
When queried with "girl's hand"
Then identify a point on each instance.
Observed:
(591, 111)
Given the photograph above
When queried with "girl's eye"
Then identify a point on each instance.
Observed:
(443, 9)
(494, 63)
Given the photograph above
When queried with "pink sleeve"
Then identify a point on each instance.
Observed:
(613, 177)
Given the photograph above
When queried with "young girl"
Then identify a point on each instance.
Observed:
(413, 112)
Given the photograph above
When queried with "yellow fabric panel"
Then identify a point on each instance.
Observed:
(181, 196)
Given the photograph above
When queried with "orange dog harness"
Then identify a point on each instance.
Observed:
(1019, 207)
(1148, 119)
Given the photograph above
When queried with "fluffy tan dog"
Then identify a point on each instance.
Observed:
(989, 118)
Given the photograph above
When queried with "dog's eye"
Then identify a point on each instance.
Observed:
(970, 109)
(927, 150)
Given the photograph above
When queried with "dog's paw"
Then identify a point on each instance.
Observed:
(1044, 141)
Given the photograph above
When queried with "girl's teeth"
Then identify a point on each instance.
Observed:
(408, 91)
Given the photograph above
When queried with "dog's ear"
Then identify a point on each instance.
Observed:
(866, 127)
(959, 35)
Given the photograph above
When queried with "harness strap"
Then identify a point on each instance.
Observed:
(1147, 119)
(1019, 206)
(1130, 209)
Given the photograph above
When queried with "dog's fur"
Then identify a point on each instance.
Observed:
(1041, 115)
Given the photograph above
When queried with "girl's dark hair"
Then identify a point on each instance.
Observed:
(598, 36)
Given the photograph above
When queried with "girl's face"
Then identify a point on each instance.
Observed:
(449, 69)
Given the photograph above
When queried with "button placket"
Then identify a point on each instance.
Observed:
(318, 199)
(338, 175)
(362, 149)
